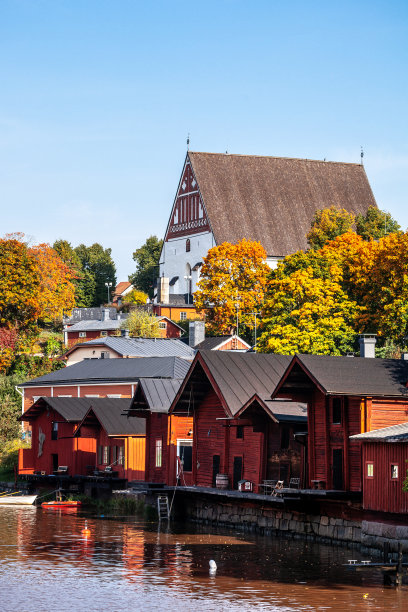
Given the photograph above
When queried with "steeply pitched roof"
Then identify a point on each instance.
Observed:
(273, 199)
(113, 370)
(352, 375)
(72, 409)
(121, 287)
(211, 343)
(141, 347)
(109, 413)
(158, 393)
(395, 433)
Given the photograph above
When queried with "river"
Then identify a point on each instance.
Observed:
(128, 564)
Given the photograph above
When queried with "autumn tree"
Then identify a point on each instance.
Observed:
(56, 289)
(142, 324)
(135, 297)
(376, 224)
(327, 224)
(232, 274)
(147, 259)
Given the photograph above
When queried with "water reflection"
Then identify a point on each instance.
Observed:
(127, 564)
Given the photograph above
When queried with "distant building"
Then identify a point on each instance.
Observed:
(80, 328)
(224, 198)
(122, 289)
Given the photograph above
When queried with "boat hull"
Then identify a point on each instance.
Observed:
(61, 504)
(18, 500)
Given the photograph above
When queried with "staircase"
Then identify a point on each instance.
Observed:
(163, 507)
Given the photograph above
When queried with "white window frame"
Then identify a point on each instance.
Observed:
(82, 334)
(181, 442)
(183, 316)
(158, 463)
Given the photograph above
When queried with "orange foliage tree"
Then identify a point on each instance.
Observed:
(232, 274)
(57, 290)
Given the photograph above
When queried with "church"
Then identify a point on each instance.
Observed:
(224, 198)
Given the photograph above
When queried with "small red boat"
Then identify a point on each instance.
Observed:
(61, 504)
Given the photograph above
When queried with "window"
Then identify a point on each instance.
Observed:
(158, 463)
(336, 410)
(369, 469)
(114, 395)
(188, 245)
(121, 455)
(394, 471)
(104, 333)
(240, 432)
(185, 453)
(91, 395)
(105, 459)
(183, 316)
(285, 438)
(162, 324)
(54, 431)
(82, 334)
(105, 354)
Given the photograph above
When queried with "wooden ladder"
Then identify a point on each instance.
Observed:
(163, 507)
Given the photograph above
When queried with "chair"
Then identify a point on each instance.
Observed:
(278, 487)
(294, 483)
(62, 469)
(268, 486)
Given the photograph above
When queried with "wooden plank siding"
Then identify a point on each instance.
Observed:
(208, 439)
(380, 492)
(387, 412)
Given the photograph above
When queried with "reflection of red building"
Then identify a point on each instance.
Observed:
(119, 442)
(384, 468)
(53, 421)
(169, 439)
(238, 430)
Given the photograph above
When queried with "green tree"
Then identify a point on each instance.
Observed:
(147, 259)
(98, 268)
(84, 281)
(327, 224)
(142, 324)
(10, 408)
(376, 224)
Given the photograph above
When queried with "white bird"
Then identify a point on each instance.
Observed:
(213, 566)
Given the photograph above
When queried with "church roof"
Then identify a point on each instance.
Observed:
(273, 199)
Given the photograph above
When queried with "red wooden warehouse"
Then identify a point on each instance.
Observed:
(346, 396)
(384, 464)
(238, 431)
(169, 440)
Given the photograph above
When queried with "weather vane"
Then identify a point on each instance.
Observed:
(362, 155)
(188, 141)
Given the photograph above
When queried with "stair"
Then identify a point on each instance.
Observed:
(163, 507)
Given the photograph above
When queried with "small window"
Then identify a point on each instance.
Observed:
(183, 316)
(394, 471)
(113, 395)
(104, 333)
(54, 431)
(188, 245)
(105, 354)
(162, 324)
(105, 459)
(121, 455)
(91, 395)
(82, 334)
(285, 438)
(240, 432)
(336, 410)
(158, 453)
(369, 469)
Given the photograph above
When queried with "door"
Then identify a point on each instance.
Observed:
(184, 456)
(338, 469)
(237, 472)
(54, 459)
(215, 468)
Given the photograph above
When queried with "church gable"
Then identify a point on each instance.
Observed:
(188, 215)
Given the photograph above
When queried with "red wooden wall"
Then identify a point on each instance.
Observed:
(381, 492)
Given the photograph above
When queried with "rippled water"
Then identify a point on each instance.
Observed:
(126, 564)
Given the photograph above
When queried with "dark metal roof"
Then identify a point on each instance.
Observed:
(395, 433)
(110, 414)
(273, 199)
(156, 394)
(285, 411)
(113, 370)
(72, 409)
(354, 375)
(240, 376)
(141, 347)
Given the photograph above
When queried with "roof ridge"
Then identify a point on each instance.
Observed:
(306, 159)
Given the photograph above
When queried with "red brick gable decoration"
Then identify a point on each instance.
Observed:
(188, 215)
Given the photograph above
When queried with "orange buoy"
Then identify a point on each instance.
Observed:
(86, 532)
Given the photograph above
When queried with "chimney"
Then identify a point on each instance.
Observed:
(124, 333)
(163, 290)
(367, 345)
(196, 333)
(105, 314)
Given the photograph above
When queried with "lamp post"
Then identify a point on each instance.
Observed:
(238, 298)
(108, 285)
(188, 279)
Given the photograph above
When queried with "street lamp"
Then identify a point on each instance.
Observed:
(188, 279)
(108, 285)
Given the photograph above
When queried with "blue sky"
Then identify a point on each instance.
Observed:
(97, 98)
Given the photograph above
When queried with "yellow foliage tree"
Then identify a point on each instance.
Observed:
(327, 224)
(142, 324)
(232, 274)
